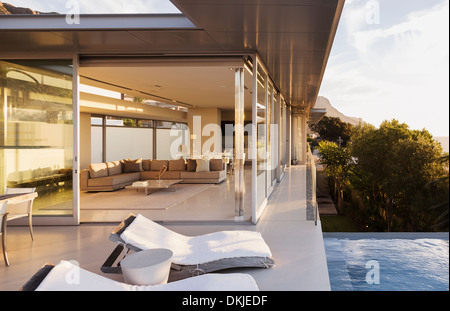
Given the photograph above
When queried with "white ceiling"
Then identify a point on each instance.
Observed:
(198, 86)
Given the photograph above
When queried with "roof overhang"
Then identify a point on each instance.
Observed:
(293, 38)
(94, 22)
(315, 114)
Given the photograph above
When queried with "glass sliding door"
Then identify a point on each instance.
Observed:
(282, 134)
(36, 132)
(274, 137)
(269, 123)
(261, 137)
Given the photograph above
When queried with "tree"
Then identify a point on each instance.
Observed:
(441, 206)
(337, 164)
(393, 167)
(331, 129)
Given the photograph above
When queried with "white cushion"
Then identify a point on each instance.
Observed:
(97, 170)
(202, 165)
(146, 234)
(67, 276)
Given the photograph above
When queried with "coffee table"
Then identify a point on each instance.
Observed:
(154, 185)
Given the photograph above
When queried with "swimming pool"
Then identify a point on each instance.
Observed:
(387, 262)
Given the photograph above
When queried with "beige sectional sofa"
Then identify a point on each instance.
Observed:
(119, 174)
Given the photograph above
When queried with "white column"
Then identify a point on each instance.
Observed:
(76, 139)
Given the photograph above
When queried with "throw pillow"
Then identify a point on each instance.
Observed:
(156, 165)
(202, 165)
(177, 165)
(131, 166)
(146, 164)
(215, 165)
(98, 170)
(191, 165)
(114, 168)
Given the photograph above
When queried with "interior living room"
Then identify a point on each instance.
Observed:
(165, 113)
(162, 113)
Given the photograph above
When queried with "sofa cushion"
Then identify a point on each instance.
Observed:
(156, 165)
(202, 175)
(146, 175)
(202, 165)
(177, 165)
(98, 170)
(114, 168)
(131, 166)
(191, 165)
(113, 180)
(171, 175)
(146, 165)
(215, 165)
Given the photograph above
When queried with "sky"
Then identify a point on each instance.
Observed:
(390, 60)
(98, 6)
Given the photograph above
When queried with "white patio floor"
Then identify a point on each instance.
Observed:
(296, 244)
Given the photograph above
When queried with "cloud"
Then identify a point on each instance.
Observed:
(392, 70)
(100, 6)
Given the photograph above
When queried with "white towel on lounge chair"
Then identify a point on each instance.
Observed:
(146, 234)
(66, 276)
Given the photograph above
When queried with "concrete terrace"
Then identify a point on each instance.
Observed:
(297, 244)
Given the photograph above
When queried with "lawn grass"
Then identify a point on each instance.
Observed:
(338, 224)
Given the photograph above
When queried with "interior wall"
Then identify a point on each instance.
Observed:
(204, 127)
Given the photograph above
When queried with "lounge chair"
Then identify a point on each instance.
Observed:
(66, 276)
(191, 255)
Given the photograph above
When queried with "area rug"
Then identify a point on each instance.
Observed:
(130, 199)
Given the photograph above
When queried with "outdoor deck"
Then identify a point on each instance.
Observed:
(296, 244)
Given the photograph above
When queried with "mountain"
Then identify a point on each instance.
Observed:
(3, 10)
(6, 8)
(444, 140)
(324, 103)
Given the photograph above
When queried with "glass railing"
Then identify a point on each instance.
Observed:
(312, 209)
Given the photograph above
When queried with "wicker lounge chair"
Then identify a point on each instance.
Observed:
(192, 255)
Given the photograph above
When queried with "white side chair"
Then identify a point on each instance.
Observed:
(3, 218)
(22, 209)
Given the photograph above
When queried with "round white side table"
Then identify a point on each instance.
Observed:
(147, 267)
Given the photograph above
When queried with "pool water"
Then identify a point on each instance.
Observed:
(373, 264)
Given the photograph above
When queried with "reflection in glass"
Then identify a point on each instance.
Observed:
(36, 132)
(261, 139)
(273, 139)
